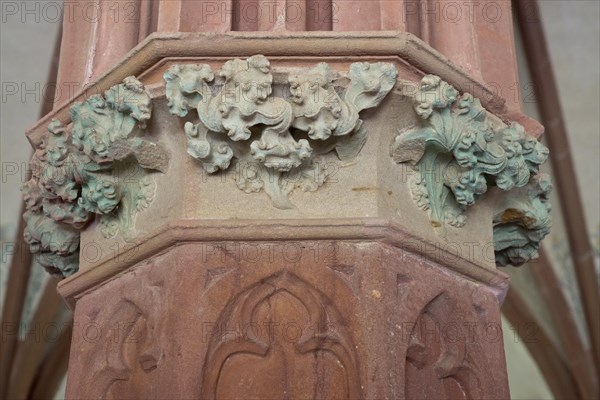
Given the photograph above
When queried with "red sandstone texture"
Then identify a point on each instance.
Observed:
(308, 319)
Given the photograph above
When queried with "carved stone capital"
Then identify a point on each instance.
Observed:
(330, 277)
(314, 136)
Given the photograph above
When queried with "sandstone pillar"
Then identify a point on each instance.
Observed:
(287, 214)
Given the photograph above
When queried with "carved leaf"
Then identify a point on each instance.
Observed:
(110, 225)
(457, 153)
(348, 147)
(250, 180)
(77, 173)
(99, 196)
(184, 86)
(245, 109)
(214, 153)
(521, 221)
(316, 105)
(370, 83)
(145, 194)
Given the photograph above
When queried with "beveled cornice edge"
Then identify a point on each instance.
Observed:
(189, 231)
(244, 44)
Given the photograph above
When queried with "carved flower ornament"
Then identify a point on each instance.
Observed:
(78, 170)
(78, 173)
(457, 155)
(239, 117)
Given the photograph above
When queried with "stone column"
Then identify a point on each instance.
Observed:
(285, 215)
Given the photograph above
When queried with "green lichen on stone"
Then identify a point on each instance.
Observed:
(76, 174)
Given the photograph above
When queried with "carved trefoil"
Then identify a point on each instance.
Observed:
(97, 166)
(457, 154)
(240, 118)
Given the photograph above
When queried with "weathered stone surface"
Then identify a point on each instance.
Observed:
(355, 293)
(245, 109)
(458, 154)
(294, 319)
(371, 186)
(97, 167)
(521, 221)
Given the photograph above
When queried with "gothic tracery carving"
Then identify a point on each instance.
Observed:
(445, 354)
(238, 333)
(126, 341)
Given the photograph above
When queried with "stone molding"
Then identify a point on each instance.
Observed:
(402, 47)
(177, 232)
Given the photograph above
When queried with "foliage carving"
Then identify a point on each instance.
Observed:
(97, 167)
(457, 154)
(521, 221)
(241, 120)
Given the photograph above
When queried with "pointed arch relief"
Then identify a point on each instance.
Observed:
(119, 343)
(280, 338)
(438, 353)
